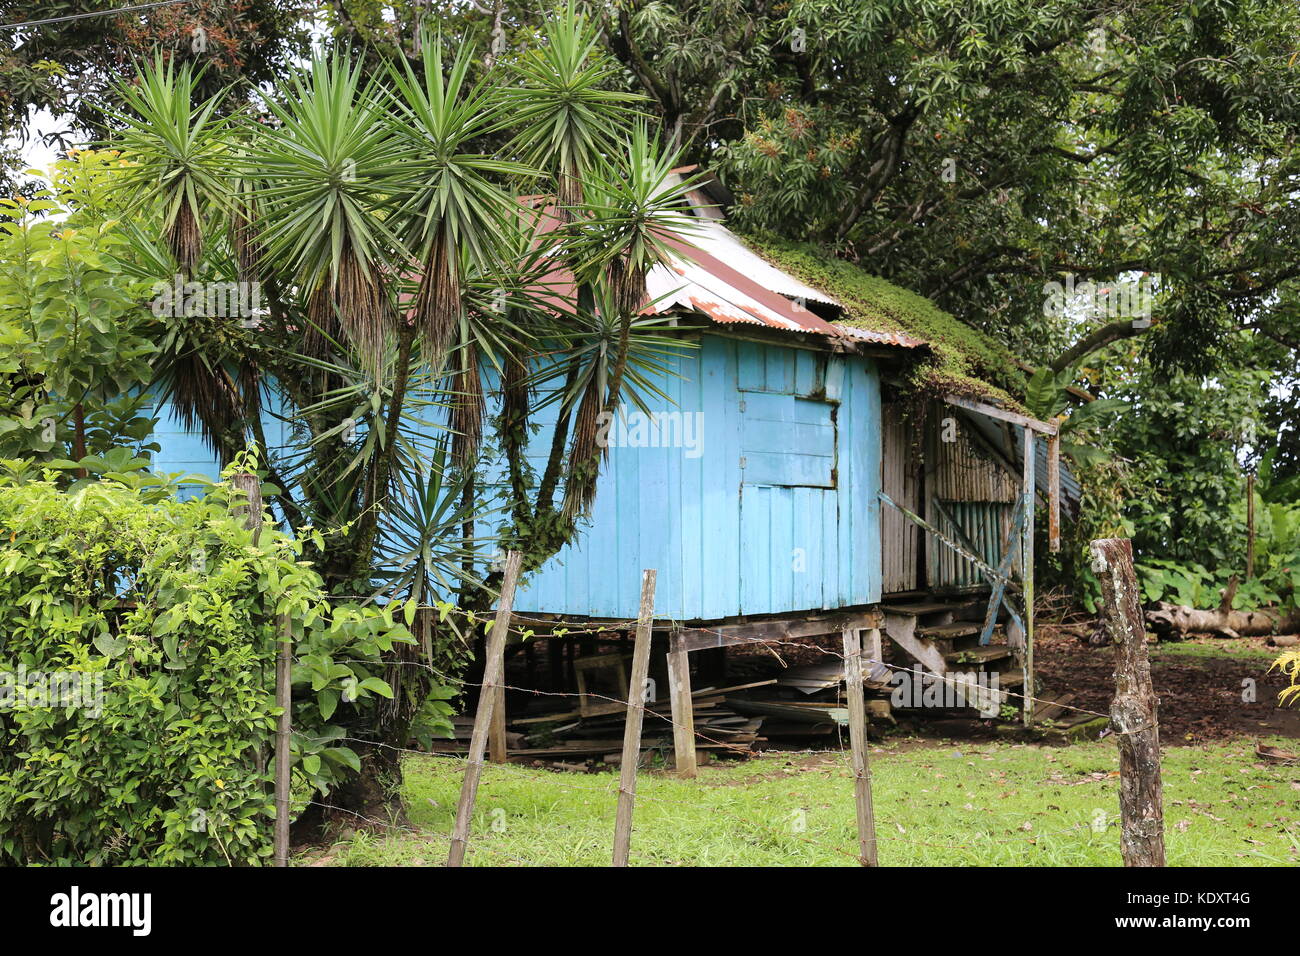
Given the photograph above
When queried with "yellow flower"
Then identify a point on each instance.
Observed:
(221, 784)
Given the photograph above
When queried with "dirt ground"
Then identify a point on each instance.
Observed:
(1204, 685)
(1200, 681)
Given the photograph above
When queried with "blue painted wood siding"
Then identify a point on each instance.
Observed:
(757, 493)
(776, 510)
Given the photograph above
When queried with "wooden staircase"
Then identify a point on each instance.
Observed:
(942, 635)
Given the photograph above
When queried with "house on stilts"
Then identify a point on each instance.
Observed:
(835, 453)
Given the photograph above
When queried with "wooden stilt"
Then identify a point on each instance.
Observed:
(858, 742)
(679, 690)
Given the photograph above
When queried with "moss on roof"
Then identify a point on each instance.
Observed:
(961, 360)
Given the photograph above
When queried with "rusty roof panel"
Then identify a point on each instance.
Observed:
(717, 275)
(874, 337)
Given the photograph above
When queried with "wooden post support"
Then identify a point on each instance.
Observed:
(492, 674)
(1054, 493)
(251, 507)
(283, 700)
(1250, 527)
(497, 734)
(1027, 579)
(251, 486)
(858, 742)
(1133, 711)
(636, 701)
(679, 691)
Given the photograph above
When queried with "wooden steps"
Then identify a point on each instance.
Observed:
(978, 655)
(948, 632)
(918, 609)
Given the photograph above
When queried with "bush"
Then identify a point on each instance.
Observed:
(137, 652)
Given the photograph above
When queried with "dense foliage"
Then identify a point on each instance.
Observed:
(158, 622)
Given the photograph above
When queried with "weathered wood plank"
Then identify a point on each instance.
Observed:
(992, 411)
(492, 674)
(636, 701)
(1054, 493)
(729, 635)
(679, 689)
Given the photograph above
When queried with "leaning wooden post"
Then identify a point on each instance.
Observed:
(858, 741)
(283, 700)
(679, 692)
(492, 674)
(1027, 579)
(497, 733)
(636, 701)
(1054, 493)
(1133, 711)
(251, 507)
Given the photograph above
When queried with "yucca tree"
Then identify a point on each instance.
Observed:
(455, 203)
(567, 116)
(332, 165)
(404, 281)
(179, 151)
(633, 218)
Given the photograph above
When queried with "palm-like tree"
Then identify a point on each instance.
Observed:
(627, 225)
(568, 117)
(180, 160)
(331, 166)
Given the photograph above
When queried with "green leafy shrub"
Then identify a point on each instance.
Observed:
(162, 620)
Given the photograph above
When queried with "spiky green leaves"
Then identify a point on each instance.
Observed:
(332, 167)
(568, 118)
(635, 206)
(454, 198)
(177, 153)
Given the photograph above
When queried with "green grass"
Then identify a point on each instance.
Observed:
(1213, 648)
(954, 804)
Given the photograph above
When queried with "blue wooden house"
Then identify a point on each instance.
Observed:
(787, 489)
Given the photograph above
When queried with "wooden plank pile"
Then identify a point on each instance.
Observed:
(802, 703)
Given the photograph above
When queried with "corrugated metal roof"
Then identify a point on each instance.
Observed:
(900, 339)
(716, 275)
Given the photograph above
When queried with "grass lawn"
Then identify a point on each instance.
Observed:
(943, 804)
(1214, 648)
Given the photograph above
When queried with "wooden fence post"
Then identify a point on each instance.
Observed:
(679, 690)
(1027, 579)
(251, 507)
(497, 734)
(251, 486)
(636, 701)
(283, 700)
(492, 675)
(1133, 711)
(858, 741)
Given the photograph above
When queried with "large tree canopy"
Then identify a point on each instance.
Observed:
(975, 151)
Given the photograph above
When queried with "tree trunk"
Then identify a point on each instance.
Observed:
(1133, 711)
(1173, 620)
